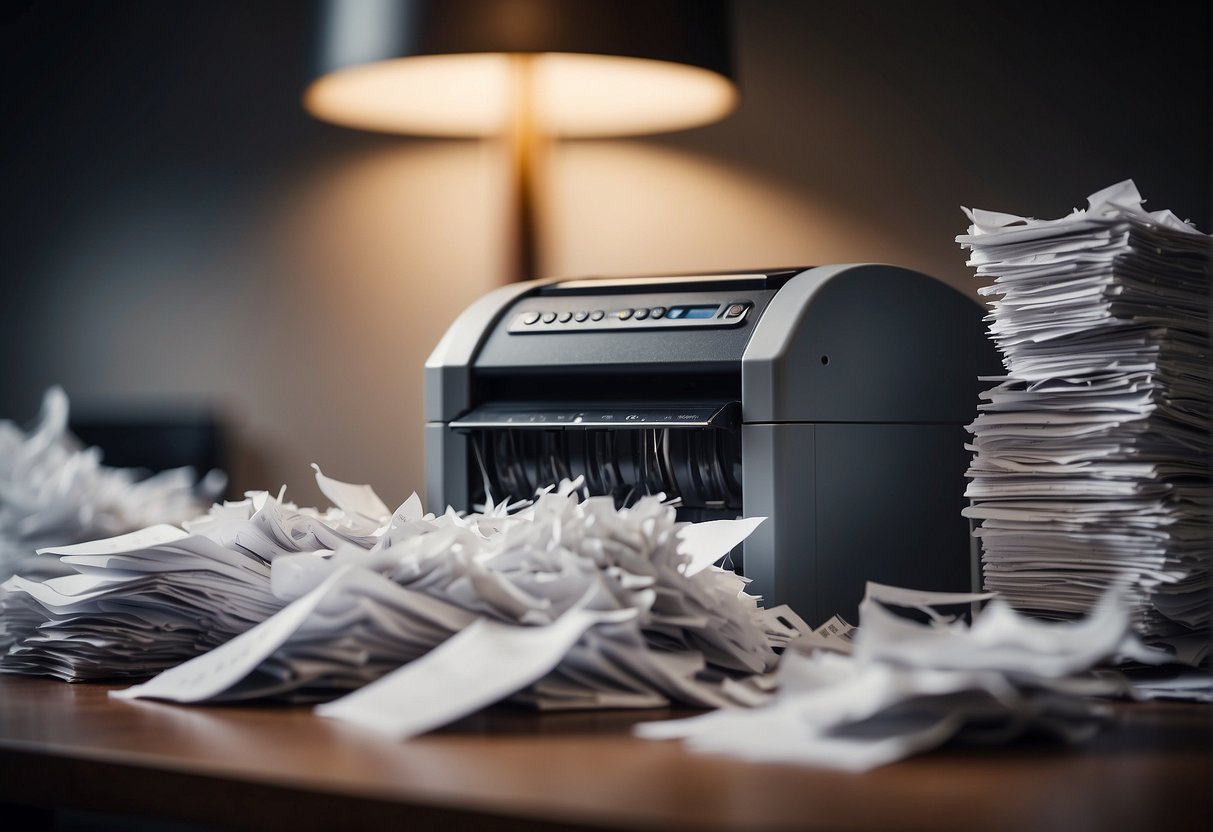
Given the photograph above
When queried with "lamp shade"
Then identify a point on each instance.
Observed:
(596, 67)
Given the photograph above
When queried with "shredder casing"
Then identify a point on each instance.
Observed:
(856, 384)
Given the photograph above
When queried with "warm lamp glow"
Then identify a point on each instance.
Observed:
(524, 72)
(573, 95)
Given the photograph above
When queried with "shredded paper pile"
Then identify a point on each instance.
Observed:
(565, 603)
(404, 622)
(901, 686)
(55, 491)
(1091, 462)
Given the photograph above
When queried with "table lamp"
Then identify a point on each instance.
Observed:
(523, 70)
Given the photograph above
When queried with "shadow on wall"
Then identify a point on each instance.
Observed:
(302, 314)
(374, 257)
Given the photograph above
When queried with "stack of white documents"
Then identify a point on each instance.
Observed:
(138, 603)
(133, 605)
(1091, 455)
(53, 491)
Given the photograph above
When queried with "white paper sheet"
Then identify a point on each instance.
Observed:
(708, 542)
(485, 663)
(214, 672)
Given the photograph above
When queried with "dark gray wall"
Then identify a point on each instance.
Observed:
(176, 229)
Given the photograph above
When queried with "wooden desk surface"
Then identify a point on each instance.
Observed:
(273, 767)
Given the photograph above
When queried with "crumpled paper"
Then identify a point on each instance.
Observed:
(262, 599)
(908, 686)
(660, 623)
(53, 491)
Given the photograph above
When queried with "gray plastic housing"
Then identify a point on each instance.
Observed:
(856, 383)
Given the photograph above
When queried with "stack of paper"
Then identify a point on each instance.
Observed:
(1091, 455)
(54, 492)
(133, 605)
(137, 603)
(910, 686)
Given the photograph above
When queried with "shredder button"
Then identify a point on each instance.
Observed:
(565, 317)
(548, 317)
(623, 314)
(530, 318)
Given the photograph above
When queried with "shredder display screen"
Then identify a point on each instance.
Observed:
(692, 312)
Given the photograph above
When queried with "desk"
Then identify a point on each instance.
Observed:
(273, 767)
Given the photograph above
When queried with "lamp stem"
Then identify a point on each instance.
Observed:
(523, 148)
